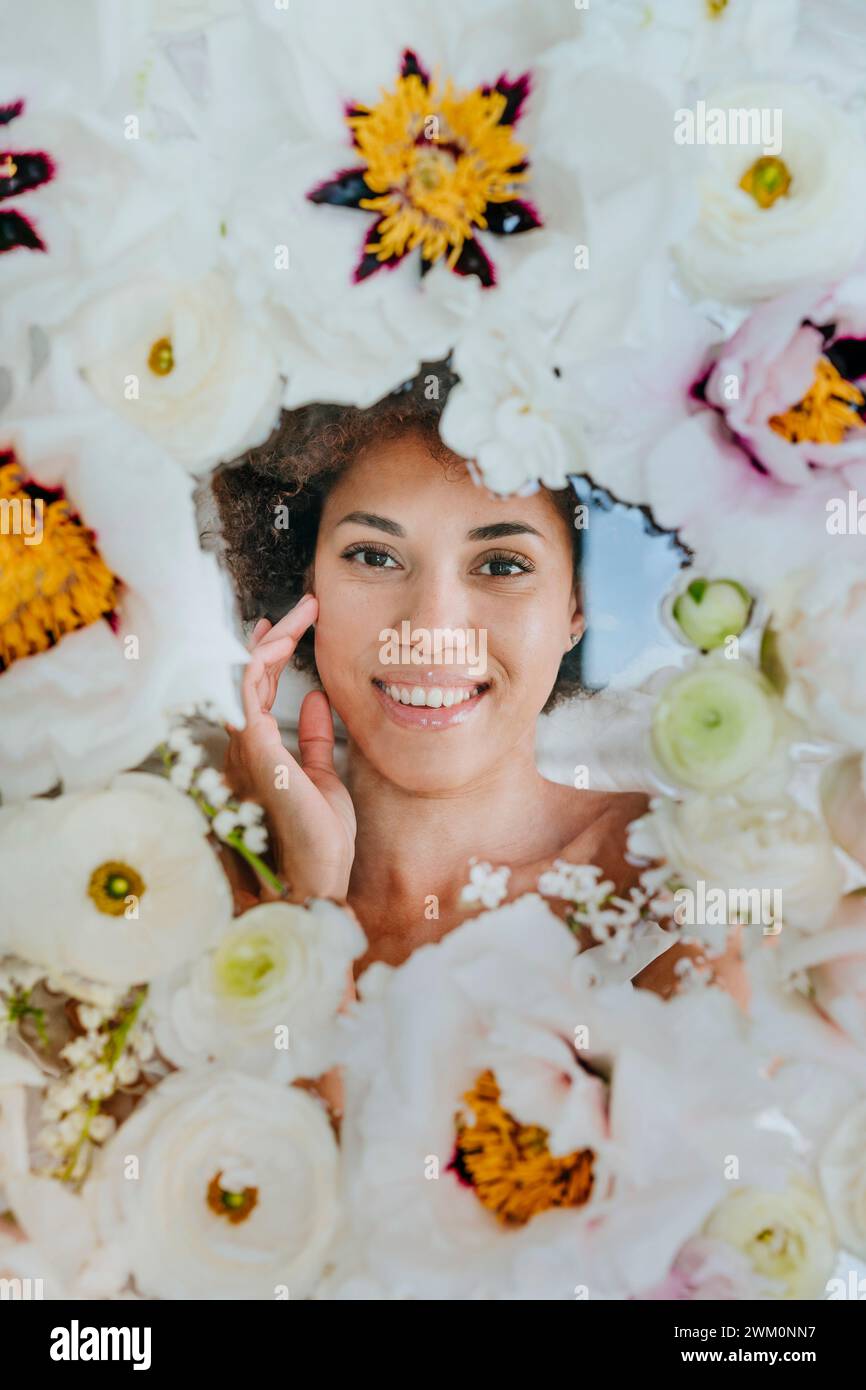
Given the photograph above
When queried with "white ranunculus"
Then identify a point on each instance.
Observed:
(118, 885)
(842, 1167)
(786, 1234)
(183, 361)
(737, 847)
(719, 726)
(16, 1073)
(235, 1194)
(819, 622)
(142, 613)
(616, 1080)
(264, 997)
(742, 251)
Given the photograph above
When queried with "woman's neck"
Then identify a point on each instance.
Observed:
(410, 844)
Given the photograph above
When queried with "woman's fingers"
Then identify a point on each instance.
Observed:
(262, 626)
(316, 733)
(271, 653)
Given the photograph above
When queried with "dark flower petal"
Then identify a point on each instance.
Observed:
(515, 94)
(508, 218)
(15, 230)
(344, 190)
(410, 66)
(33, 169)
(848, 356)
(9, 113)
(369, 263)
(473, 260)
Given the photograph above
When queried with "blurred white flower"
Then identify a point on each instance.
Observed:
(744, 848)
(113, 616)
(54, 1241)
(133, 891)
(843, 801)
(502, 1131)
(818, 620)
(842, 1167)
(770, 220)
(236, 1195)
(786, 1235)
(264, 998)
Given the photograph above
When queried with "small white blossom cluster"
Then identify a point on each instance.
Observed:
(487, 886)
(107, 1057)
(614, 921)
(212, 794)
(17, 979)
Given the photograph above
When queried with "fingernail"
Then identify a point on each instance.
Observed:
(305, 598)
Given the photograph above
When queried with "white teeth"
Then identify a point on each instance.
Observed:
(433, 698)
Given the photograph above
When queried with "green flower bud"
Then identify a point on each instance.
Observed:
(247, 961)
(711, 610)
(715, 724)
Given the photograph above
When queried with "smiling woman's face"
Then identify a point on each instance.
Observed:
(401, 540)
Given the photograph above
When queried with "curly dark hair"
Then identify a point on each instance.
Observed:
(290, 476)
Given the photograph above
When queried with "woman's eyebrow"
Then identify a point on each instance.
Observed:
(502, 528)
(379, 523)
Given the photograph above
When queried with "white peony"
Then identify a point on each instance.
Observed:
(767, 847)
(113, 617)
(786, 1235)
(264, 997)
(118, 886)
(183, 361)
(818, 619)
(598, 1097)
(234, 1193)
(744, 249)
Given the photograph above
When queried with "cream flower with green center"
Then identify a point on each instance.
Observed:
(265, 996)
(717, 726)
(236, 1196)
(131, 889)
(786, 1235)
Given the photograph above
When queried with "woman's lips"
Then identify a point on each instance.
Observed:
(429, 706)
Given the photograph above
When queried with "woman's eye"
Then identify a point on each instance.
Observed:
(504, 566)
(370, 558)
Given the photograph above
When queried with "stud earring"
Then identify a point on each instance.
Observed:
(575, 638)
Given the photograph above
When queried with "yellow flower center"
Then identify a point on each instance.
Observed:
(716, 8)
(161, 357)
(435, 158)
(111, 884)
(827, 411)
(234, 1206)
(52, 578)
(767, 179)
(510, 1166)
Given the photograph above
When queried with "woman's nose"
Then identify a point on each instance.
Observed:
(438, 601)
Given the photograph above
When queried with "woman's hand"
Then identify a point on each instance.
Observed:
(309, 811)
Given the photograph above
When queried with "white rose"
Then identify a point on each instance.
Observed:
(842, 1167)
(819, 622)
(236, 1193)
(786, 1235)
(279, 968)
(738, 847)
(741, 250)
(205, 379)
(118, 885)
